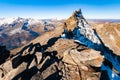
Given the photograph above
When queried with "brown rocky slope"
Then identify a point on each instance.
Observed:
(63, 60)
(110, 35)
(51, 57)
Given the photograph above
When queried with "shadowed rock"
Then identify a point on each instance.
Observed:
(4, 54)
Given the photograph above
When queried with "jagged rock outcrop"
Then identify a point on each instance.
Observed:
(78, 54)
(87, 56)
(84, 34)
(63, 60)
(77, 28)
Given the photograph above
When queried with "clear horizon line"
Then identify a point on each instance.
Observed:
(54, 18)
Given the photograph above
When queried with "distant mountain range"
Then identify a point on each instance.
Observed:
(19, 30)
(104, 20)
(16, 31)
(74, 50)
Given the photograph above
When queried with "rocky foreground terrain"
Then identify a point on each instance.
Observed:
(72, 51)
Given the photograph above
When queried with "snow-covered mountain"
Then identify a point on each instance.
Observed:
(16, 31)
(72, 51)
(12, 20)
(83, 32)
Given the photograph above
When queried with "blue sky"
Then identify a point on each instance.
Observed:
(109, 9)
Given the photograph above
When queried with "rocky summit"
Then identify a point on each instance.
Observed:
(72, 51)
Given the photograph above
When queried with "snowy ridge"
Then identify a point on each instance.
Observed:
(84, 29)
(34, 21)
(84, 34)
(12, 20)
(17, 30)
(8, 20)
(13, 25)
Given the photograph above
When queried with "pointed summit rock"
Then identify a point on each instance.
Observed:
(50, 57)
(72, 21)
(79, 29)
(83, 33)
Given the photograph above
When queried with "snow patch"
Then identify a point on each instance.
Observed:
(24, 42)
(111, 37)
(86, 30)
(33, 21)
(9, 20)
(17, 30)
(113, 75)
(63, 36)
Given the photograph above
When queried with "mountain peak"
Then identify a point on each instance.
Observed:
(81, 30)
(78, 13)
(81, 56)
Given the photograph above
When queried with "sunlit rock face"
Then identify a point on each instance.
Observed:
(77, 54)
(77, 28)
(87, 56)
(110, 35)
(63, 60)
(84, 34)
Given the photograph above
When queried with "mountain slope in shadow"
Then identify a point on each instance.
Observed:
(73, 51)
